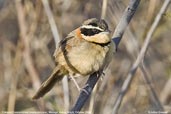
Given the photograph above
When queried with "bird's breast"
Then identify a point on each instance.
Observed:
(87, 57)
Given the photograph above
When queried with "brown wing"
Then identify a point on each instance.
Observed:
(65, 46)
(58, 52)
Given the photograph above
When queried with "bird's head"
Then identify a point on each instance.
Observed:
(95, 30)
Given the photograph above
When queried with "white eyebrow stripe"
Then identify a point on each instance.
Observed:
(91, 27)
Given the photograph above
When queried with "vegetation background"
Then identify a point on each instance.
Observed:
(26, 56)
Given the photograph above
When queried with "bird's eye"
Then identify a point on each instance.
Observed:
(89, 32)
(96, 31)
(93, 24)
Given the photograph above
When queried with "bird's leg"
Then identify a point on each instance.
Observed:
(78, 87)
(76, 76)
(75, 82)
(100, 72)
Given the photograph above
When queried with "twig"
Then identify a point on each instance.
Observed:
(155, 97)
(104, 8)
(8, 74)
(76, 84)
(92, 100)
(166, 92)
(140, 58)
(151, 10)
(116, 38)
(26, 53)
(14, 79)
(51, 20)
(66, 93)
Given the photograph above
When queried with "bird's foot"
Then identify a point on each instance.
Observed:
(84, 90)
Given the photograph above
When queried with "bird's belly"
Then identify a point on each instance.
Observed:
(88, 60)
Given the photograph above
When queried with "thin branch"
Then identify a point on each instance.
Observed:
(83, 97)
(166, 92)
(8, 74)
(14, 78)
(26, 53)
(104, 8)
(66, 93)
(140, 58)
(75, 82)
(92, 100)
(51, 20)
(154, 95)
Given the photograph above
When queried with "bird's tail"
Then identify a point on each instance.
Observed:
(48, 84)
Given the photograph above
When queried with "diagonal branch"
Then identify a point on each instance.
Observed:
(154, 95)
(51, 20)
(83, 97)
(127, 16)
(124, 21)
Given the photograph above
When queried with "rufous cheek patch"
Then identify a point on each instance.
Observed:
(78, 33)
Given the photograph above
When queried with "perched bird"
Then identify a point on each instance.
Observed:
(85, 50)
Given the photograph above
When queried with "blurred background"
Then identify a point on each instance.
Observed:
(26, 56)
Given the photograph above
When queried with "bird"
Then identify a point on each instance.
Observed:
(87, 49)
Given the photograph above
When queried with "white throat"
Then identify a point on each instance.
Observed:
(102, 37)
